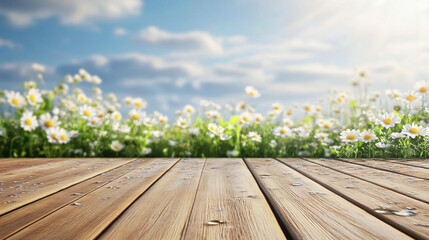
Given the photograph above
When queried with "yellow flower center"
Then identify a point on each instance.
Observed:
(252, 93)
(15, 101)
(255, 137)
(396, 95)
(183, 123)
(367, 137)
(148, 122)
(307, 108)
(387, 121)
(410, 98)
(246, 118)
(283, 131)
(63, 137)
(49, 124)
(351, 137)
(127, 101)
(162, 120)
(340, 100)
(116, 147)
(276, 108)
(28, 122)
(423, 89)
(215, 116)
(93, 122)
(117, 116)
(54, 136)
(101, 115)
(212, 128)
(82, 99)
(32, 98)
(258, 119)
(189, 110)
(318, 109)
(413, 130)
(136, 117)
(287, 123)
(326, 126)
(87, 113)
(138, 104)
(289, 113)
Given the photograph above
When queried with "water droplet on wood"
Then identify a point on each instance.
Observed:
(214, 222)
(406, 213)
(76, 204)
(296, 184)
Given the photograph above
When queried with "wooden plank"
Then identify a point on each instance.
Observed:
(229, 205)
(410, 171)
(162, 211)
(422, 163)
(91, 214)
(416, 188)
(47, 181)
(28, 214)
(379, 201)
(311, 211)
(13, 164)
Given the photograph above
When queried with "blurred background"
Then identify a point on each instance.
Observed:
(172, 53)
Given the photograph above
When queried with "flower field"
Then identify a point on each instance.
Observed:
(68, 122)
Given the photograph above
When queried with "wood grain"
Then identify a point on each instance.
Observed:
(47, 181)
(13, 164)
(162, 211)
(422, 163)
(368, 196)
(95, 211)
(229, 205)
(28, 214)
(311, 211)
(416, 188)
(392, 167)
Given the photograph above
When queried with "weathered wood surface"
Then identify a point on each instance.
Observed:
(214, 199)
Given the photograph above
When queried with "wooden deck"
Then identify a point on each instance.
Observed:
(214, 199)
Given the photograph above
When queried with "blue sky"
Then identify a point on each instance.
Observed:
(176, 52)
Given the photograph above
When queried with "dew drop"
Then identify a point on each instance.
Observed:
(296, 184)
(76, 194)
(405, 213)
(316, 193)
(352, 187)
(421, 224)
(99, 182)
(76, 204)
(214, 222)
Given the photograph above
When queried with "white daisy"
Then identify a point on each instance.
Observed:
(321, 136)
(146, 151)
(287, 122)
(139, 103)
(282, 131)
(224, 137)
(183, 122)
(116, 146)
(46, 121)
(388, 120)
(258, 118)
(33, 96)
(410, 96)
(382, 145)
(422, 87)
(246, 118)
(396, 135)
(81, 98)
(62, 136)
(135, 115)
(162, 119)
(149, 122)
(15, 99)
(253, 136)
(52, 134)
(277, 107)
(273, 143)
(87, 112)
(94, 122)
(350, 135)
(29, 121)
(367, 136)
(188, 109)
(413, 130)
(252, 92)
(116, 116)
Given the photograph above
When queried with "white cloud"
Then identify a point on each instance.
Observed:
(189, 43)
(119, 31)
(23, 13)
(318, 69)
(7, 43)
